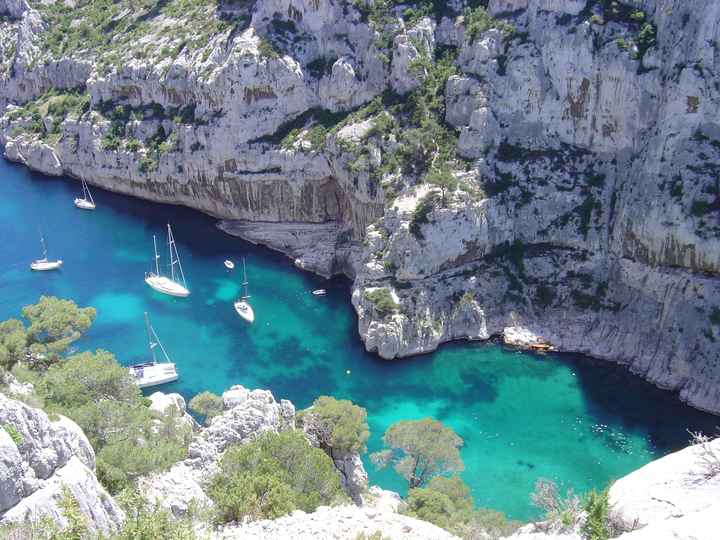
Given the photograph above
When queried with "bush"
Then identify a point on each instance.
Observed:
(338, 425)
(421, 214)
(13, 340)
(102, 398)
(383, 301)
(447, 503)
(273, 476)
(597, 507)
(208, 405)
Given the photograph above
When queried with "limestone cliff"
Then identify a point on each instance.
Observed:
(39, 459)
(582, 135)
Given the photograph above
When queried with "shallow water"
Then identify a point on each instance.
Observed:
(522, 416)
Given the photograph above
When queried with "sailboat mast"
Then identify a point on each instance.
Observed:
(157, 257)
(42, 242)
(174, 257)
(86, 191)
(245, 281)
(171, 242)
(150, 334)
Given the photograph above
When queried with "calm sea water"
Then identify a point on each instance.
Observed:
(522, 416)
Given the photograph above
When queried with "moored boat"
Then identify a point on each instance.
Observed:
(173, 285)
(44, 264)
(229, 264)
(242, 306)
(86, 202)
(153, 373)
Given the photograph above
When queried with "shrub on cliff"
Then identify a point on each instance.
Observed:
(273, 476)
(207, 404)
(420, 450)
(337, 425)
(447, 503)
(100, 396)
(382, 300)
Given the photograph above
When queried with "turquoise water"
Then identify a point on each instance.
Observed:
(522, 416)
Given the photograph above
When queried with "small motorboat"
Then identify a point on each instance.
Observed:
(242, 306)
(87, 202)
(153, 373)
(229, 264)
(319, 292)
(44, 264)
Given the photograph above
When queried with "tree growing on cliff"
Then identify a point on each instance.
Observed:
(337, 425)
(441, 176)
(420, 450)
(208, 405)
(13, 340)
(54, 325)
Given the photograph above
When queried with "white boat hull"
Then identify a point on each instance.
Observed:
(84, 204)
(147, 375)
(166, 285)
(319, 292)
(44, 265)
(245, 310)
(229, 265)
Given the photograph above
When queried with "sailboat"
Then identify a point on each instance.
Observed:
(87, 202)
(242, 306)
(44, 264)
(164, 284)
(153, 373)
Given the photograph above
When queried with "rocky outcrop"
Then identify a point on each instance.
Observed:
(587, 209)
(248, 414)
(675, 497)
(40, 461)
(672, 497)
(173, 406)
(345, 521)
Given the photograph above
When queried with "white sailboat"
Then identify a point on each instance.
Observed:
(44, 264)
(153, 373)
(168, 284)
(242, 306)
(87, 202)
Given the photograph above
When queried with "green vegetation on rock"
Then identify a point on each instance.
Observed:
(92, 389)
(337, 424)
(273, 476)
(383, 301)
(207, 404)
(447, 503)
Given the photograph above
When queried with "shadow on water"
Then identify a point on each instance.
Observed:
(522, 416)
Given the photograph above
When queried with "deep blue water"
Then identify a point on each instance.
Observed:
(522, 416)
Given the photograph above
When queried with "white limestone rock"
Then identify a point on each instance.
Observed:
(670, 493)
(407, 48)
(48, 456)
(328, 523)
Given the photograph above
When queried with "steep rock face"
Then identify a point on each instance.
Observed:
(39, 461)
(595, 221)
(248, 414)
(587, 214)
